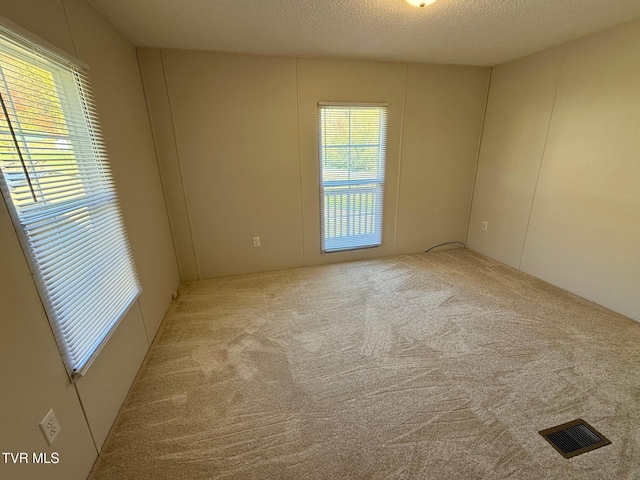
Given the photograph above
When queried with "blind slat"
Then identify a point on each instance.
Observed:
(82, 331)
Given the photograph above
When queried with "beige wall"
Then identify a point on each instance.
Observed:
(443, 116)
(33, 378)
(236, 137)
(559, 168)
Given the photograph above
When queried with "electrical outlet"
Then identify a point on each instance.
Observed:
(50, 427)
(485, 225)
(256, 241)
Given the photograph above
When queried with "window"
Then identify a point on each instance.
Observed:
(58, 187)
(352, 157)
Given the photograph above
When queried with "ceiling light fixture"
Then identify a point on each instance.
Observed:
(420, 3)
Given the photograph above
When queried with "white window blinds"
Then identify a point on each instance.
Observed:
(59, 190)
(352, 161)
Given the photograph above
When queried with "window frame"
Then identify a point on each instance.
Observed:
(355, 191)
(78, 203)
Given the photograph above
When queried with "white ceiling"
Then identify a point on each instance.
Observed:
(471, 32)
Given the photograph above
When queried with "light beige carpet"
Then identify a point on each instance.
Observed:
(430, 366)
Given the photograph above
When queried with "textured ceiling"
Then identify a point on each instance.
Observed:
(471, 32)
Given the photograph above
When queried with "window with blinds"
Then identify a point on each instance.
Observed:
(58, 187)
(352, 160)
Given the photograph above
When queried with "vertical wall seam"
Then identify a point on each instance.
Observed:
(66, 18)
(158, 166)
(544, 151)
(175, 143)
(144, 324)
(84, 412)
(398, 182)
(475, 173)
(300, 160)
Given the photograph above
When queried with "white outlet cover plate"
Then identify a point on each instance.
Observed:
(50, 427)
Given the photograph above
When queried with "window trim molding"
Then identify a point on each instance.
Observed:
(319, 106)
(353, 104)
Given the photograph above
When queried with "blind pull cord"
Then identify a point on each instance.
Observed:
(15, 142)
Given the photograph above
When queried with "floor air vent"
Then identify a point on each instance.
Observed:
(573, 438)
